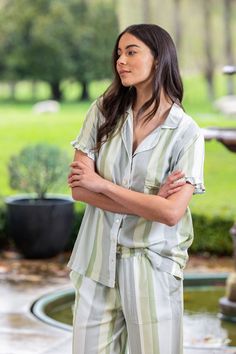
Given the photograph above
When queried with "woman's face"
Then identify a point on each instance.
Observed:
(135, 63)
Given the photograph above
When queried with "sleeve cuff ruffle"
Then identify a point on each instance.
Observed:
(78, 146)
(199, 187)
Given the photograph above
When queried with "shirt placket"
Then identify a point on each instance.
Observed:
(118, 218)
(114, 237)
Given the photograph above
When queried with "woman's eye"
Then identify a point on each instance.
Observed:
(131, 52)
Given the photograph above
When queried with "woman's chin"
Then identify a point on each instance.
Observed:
(126, 83)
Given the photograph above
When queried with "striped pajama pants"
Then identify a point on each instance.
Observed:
(143, 314)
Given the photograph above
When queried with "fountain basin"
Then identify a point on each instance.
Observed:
(203, 326)
(226, 136)
(55, 308)
(228, 309)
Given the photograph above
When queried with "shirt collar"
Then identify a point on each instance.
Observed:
(174, 117)
(172, 120)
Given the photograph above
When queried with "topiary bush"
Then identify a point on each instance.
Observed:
(38, 169)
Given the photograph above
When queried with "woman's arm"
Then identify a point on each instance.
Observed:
(96, 199)
(151, 207)
(102, 201)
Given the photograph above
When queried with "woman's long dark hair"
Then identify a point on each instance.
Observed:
(117, 98)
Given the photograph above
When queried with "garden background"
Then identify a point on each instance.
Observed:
(61, 50)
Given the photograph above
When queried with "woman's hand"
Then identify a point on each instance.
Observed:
(83, 176)
(173, 184)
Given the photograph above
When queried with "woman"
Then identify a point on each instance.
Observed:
(127, 263)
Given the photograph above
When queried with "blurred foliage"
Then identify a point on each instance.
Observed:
(211, 235)
(52, 40)
(3, 225)
(79, 213)
(38, 168)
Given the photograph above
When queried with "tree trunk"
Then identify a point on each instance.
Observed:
(85, 93)
(209, 65)
(146, 11)
(177, 24)
(56, 92)
(228, 44)
(12, 87)
(34, 89)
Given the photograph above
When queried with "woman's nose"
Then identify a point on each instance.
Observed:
(121, 60)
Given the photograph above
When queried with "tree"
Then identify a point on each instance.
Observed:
(228, 43)
(209, 64)
(56, 40)
(146, 10)
(93, 45)
(177, 24)
(50, 55)
(36, 41)
(12, 41)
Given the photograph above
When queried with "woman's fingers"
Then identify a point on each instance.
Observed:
(174, 190)
(175, 176)
(78, 164)
(74, 184)
(178, 183)
(173, 184)
(75, 171)
(74, 175)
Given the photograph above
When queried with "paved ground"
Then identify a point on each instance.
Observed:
(23, 281)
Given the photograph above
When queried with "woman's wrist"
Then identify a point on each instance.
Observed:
(106, 186)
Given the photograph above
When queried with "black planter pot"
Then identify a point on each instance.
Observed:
(40, 228)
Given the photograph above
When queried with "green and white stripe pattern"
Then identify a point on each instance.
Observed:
(177, 144)
(142, 314)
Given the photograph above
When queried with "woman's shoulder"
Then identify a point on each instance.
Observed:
(94, 105)
(187, 122)
(94, 111)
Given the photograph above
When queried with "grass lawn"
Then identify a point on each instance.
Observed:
(19, 126)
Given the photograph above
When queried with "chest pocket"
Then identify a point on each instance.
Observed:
(150, 188)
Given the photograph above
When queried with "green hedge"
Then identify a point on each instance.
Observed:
(3, 236)
(211, 234)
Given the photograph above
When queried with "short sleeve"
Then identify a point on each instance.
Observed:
(191, 162)
(86, 140)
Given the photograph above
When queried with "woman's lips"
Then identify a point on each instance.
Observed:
(123, 72)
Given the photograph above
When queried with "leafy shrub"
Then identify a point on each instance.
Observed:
(211, 235)
(38, 168)
(75, 228)
(3, 236)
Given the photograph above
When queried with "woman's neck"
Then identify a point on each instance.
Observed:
(143, 96)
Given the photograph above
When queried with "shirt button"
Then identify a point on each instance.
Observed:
(125, 181)
(117, 221)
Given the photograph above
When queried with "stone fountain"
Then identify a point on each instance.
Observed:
(227, 136)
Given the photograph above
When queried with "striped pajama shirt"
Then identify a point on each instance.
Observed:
(128, 270)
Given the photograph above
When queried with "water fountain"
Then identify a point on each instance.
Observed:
(227, 136)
